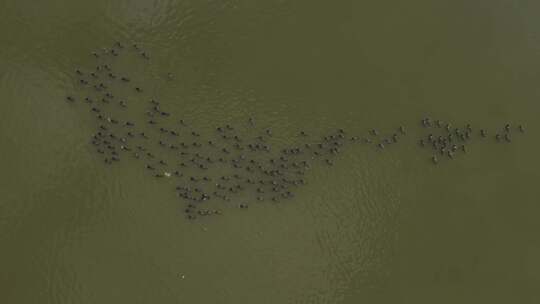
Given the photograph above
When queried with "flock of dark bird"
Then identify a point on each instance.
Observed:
(236, 165)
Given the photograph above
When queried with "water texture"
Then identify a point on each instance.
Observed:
(377, 226)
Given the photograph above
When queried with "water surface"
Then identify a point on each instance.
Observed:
(376, 227)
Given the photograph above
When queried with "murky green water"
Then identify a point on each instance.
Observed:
(374, 228)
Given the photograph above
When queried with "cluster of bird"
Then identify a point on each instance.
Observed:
(232, 166)
(446, 140)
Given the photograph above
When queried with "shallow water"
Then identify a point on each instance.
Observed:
(376, 227)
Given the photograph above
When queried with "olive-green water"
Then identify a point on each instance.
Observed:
(377, 227)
